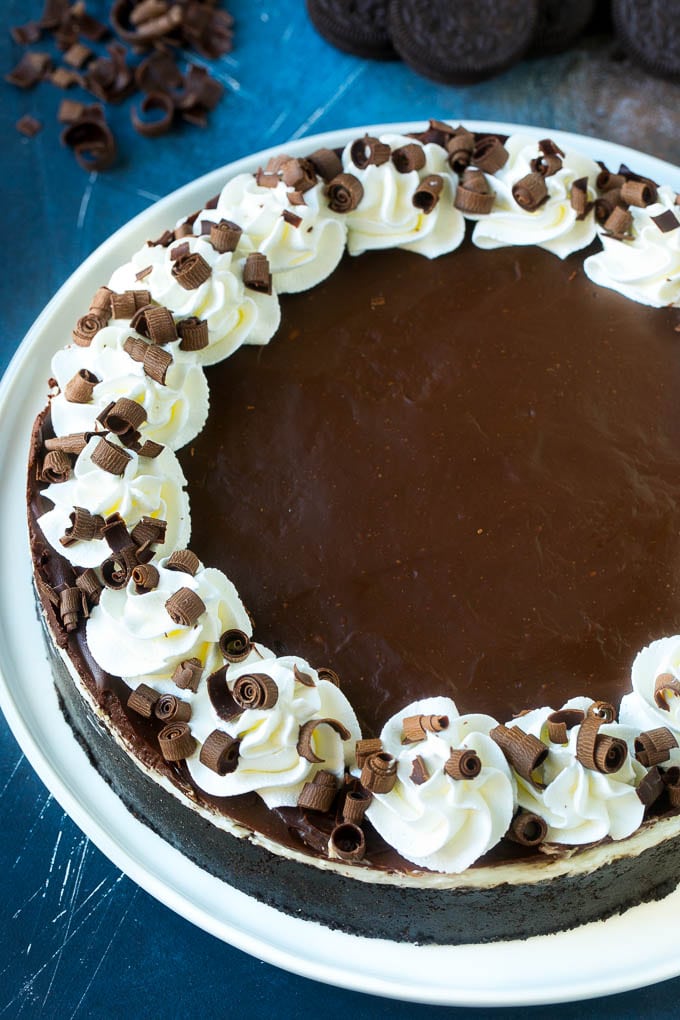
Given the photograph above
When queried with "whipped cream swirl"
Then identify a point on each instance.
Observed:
(269, 762)
(176, 410)
(646, 267)
(639, 709)
(235, 314)
(386, 216)
(553, 225)
(444, 824)
(581, 805)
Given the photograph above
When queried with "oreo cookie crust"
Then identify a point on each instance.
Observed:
(358, 27)
(460, 43)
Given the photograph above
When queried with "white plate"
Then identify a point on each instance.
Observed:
(597, 959)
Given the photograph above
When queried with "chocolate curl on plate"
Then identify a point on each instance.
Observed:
(550, 160)
(408, 158)
(530, 192)
(145, 577)
(255, 690)
(184, 561)
(185, 607)
(86, 328)
(419, 771)
(344, 193)
(619, 224)
(638, 193)
(652, 747)
(78, 390)
(524, 751)
(122, 416)
(176, 742)
(326, 673)
(319, 794)
(70, 606)
(355, 805)
(527, 829)
(326, 162)
(671, 779)
(188, 674)
(100, 305)
(303, 678)
(169, 708)
(602, 710)
(220, 753)
(416, 727)
(31, 69)
(56, 467)
(598, 751)
(155, 126)
(225, 236)
(460, 147)
(578, 198)
(473, 194)
(110, 457)
(428, 192)
(124, 306)
(191, 271)
(463, 763)
(347, 842)
(607, 181)
(142, 700)
(156, 363)
(235, 645)
(379, 772)
(650, 787)
(369, 151)
(305, 744)
(490, 155)
(366, 747)
(256, 273)
(664, 684)
(155, 322)
(74, 443)
(559, 724)
(194, 334)
(91, 140)
(90, 585)
(84, 527)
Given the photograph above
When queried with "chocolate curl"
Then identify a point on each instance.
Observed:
(416, 727)
(220, 753)
(74, 443)
(235, 645)
(135, 348)
(117, 569)
(255, 690)
(650, 787)
(489, 154)
(473, 194)
(85, 329)
(654, 746)
(524, 751)
(116, 534)
(149, 448)
(143, 700)
(153, 127)
(298, 174)
(530, 192)
(606, 204)
(90, 585)
(91, 139)
(191, 271)
(155, 322)
(619, 224)
(225, 236)
(346, 843)
(84, 527)
(100, 305)
(366, 747)
(176, 742)
(379, 772)
(326, 163)
(194, 334)
(437, 131)
(145, 577)
(179, 251)
(291, 218)
(426, 195)
(304, 742)
(460, 148)
(408, 157)
(326, 673)
(156, 363)
(185, 607)
(168, 708)
(527, 829)
(602, 710)
(319, 794)
(56, 467)
(256, 274)
(148, 531)
(221, 698)
(559, 723)
(303, 678)
(550, 160)
(78, 390)
(578, 198)
(463, 763)
(419, 771)
(607, 181)
(356, 803)
(369, 151)
(597, 751)
(188, 674)
(638, 193)
(122, 416)
(70, 606)
(665, 684)
(124, 306)
(110, 458)
(184, 561)
(671, 779)
(344, 193)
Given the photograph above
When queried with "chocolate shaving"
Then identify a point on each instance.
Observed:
(326, 162)
(187, 674)
(291, 218)
(419, 771)
(408, 158)
(100, 305)
(191, 271)
(303, 678)
(221, 697)
(638, 193)
(607, 181)
(664, 684)
(78, 390)
(416, 727)
(91, 140)
(619, 223)
(225, 236)
(124, 306)
(530, 192)
(671, 779)
(559, 723)
(29, 126)
(427, 194)
(142, 700)
(56, 467)
(319, 794)
(77, 55)
(550, 160)
(524, 751)
(473, 194)
(652, 747)
(666, 221)
(235, 645)
(90, 585)
(344, 193)
(369, 151)
(355, 804)
(460, 147)
(366, 747)
(463, 763)
(220, 753)
(74, 443)
(605, 205)
(298, 174)
(489, 154)
(64, 78)
(147, 532)
(156, 363)
(122, 416)
(26, 35)
(169, 708)
(154, 127)
(346, 842)
(256, 691)
(578, 198)
(31, 69)
(116, 534)
(145, 577)
(194, 334)
(71, 605)
(158, 73)
(185, 607)
(304, 743)
(176, 742)
(379, 772)
(84, 527)
(110, 457)
(156, 323)
(150, 448)
(185, 561)
(650, 787)
(527, 829)
(256, 274)
(86, 328)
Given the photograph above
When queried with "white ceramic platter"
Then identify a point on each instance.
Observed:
(597, 959)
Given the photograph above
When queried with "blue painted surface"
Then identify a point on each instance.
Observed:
(77, 938)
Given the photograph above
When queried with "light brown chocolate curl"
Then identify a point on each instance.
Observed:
(416, 727)
(78, 390)
(326, 163)
(550, 160)
(578, 198)
(110, 458)
(90, 585)
(463, 763)
(225, 235)
(169, 708)
(155, 322)
(638, 193)
(619, 223)
(355, 805)
(256, 273)
(524, 751)
(184, 561)
(530, 192)
(650, 787)
(460, 147)
(653, 747)
(135, 348)
(302, 678)
(366, 747)
(559, 724)
(379, 772)
(346, 843)
(602, 710)
(369, 151)
(194, 334)
(255, 690)
(187, 674)
(142, 700)
(191, 271)
(156, 363)
(176, 742)
(185, 607)
(408, 158)
(319, 794)
(305, 743)
(83, 527)
(527, 829)
(235, 645)
(326, 673)
(344, 193)
(665, 684)
(71, 604)
(100, 305)
(124, 306)
(122, 415)
(145, 577)
(86, 328)
(490, 155)
(74, 443)
(56, 467)
(428, 192)
(473, 194)
(419, 771)
(220, 753)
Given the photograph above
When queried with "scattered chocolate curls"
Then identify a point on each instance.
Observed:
(135, 53)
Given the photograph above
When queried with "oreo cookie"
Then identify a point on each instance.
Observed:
(459, 42)
(650, 32)
(560, 23)
(355, 26)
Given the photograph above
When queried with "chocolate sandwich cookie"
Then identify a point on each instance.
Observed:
(560, 23)
(650, 31)
(355, 26)
(459, 43)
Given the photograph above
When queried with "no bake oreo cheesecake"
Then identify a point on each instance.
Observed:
(441, 470)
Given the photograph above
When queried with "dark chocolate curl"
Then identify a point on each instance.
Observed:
(145, 577)
(56, 467)
(304, 743)
(463, 763)
(650, 787)
(142, 700)
(427, 194)
(235, 645)
(90, 585)
(366, 747)
(155, 322)
(671, 779)
(369, 151)
(607, 181)
(185, 607)
(610, 753)
(408, 158)
(298, 174)
(194, 334)
(255, 690)
(153, 127)
(319, 794)
(326, 162)
(70, 607)
(460, 147)
(346, 843)
(78, 390)
(527, 829)
(605, 205)
(379, 772)
(169, 708)
(578, 197)
(303, 678)
(123, 415)
(326, 673)
(524, 751)
(637, 193)
(530, 192)
(191, 271)
(176, 742)
(665, 684)
(356, 803)
(344, 193)
(86, 328)
(619, 223)
(653, 747)
(110, 458)
(416, 727)
(184, 560)
(256, 274)
(220, 753)
(473, 194)
(550, 160)
(84, 527)
(188, 674)
(559, 723)
(489, 154)
(225, 236)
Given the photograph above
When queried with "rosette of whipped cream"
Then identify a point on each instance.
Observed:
(303, 243)
(644, 267)
(176, 410)
(135, 637)
(432, 819)
(386, 216)
(579, 804)
(554, 225)
(655, 698)
(235, 314)
(148, 487)
(270, 761)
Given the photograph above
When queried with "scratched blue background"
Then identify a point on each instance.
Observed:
(77, 938)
